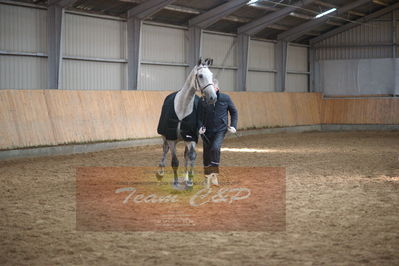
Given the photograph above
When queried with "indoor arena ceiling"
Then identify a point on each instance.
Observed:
(291, 20)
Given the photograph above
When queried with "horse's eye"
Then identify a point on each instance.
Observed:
(200, 76)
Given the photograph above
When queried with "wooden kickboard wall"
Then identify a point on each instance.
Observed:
(31, 118)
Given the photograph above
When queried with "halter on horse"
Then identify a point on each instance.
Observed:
(185, 104)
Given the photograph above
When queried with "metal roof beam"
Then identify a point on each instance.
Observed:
(62, 3)
(261, 23)
(381, 3)
(300, 30)
(352, 25)
(147, 8)
(293, 14)
(212, 16)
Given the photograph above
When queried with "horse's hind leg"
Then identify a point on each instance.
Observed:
(175, 161)
(189, 155)
(161, 172)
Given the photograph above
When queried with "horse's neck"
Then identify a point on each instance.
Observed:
(184, 100)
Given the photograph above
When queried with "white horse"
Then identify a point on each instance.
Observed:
(184, 105)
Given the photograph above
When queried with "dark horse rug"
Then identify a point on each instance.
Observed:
(169, 121)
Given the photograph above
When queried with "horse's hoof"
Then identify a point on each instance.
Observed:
(159, 176)
(176, 185)
(189, 184)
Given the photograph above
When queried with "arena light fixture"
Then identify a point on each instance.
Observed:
(325, 13)
(252, 2)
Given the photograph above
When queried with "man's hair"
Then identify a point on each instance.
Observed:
(216, 83)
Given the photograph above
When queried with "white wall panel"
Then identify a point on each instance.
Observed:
(297, 83)
(23, 72)
(226, 78)
(357, 77)
(297, 58)
(23, 29)
(221, 48)
(162, 44)
(94, 37)
(261, 55)
(155, 77)
(86, 75)
(260, 81)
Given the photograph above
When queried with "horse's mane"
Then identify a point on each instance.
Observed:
(190, 78)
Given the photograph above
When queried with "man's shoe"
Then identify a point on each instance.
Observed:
(214, 180)
(211, 179)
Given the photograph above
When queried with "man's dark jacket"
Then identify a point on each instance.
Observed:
(168, 121)
(215, 116)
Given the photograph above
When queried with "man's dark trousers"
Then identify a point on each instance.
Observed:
(212, 145)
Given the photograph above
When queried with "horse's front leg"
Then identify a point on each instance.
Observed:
(189, 155)
(161, 172)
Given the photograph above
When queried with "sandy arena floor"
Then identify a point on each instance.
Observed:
(342, 208)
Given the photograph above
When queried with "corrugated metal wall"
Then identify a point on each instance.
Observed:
(261, 66)
(23, 72)
(87, 38)
(163, 57)
(159, 77)
(297, 69)
(94, 37)
(358, 53)
(88, 75)
(95, 55)
(163, 44)
(369, 40)
(23, 30)
(222, 48)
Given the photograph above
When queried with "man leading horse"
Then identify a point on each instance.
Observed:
(214, 126)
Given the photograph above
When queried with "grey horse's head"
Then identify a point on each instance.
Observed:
(204, 81)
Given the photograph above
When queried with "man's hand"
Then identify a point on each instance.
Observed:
(202, 130)
(232, 130)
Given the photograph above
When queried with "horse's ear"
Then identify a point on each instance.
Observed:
(200, 61)
(209, 61)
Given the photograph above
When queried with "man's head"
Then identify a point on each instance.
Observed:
(216, 84)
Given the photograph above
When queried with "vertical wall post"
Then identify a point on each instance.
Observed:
(194, 46)
(134, 26)
(312, 68)
(394, 55)
(242, 55)
(281, 64)
(55, 45)
(394, 37)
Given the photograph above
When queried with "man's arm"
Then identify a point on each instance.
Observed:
(233, 113)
